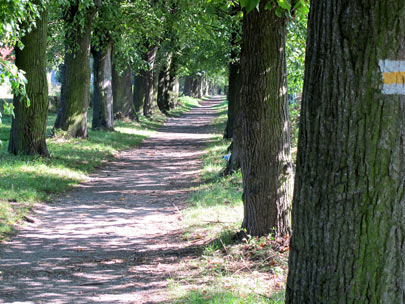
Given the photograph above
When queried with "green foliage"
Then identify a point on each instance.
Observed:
(295, 53)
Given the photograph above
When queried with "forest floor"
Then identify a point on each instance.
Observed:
(117, 237)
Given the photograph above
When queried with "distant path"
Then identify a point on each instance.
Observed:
(115, 238)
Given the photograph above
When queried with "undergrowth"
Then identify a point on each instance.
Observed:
(248, 271)
(29, 179)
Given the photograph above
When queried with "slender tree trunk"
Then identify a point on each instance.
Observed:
(174, 93)
(122, 95)
(234, 118)
(188, 85)
(349, 200)
(234, 82)
(149, 81)
(266, 160)
(139, 91)
(102, 98)
(75, 95)
(173, 85)
(28, 130)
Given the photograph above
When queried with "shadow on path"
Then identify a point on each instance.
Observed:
(115, 238)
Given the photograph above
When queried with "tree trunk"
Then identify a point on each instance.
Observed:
(102, 98)
(28, 130)
(173, 85)
(149, 81)
(174, 93)
(139, 91)
(75, 94)
(234, 81)
(188, 85)
(266, 159)
(163, 86)
(234, 118)
(122, 95)
(349, 199)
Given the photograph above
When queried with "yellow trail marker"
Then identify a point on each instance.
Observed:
(393, 76)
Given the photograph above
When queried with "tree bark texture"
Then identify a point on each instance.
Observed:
(348, 243)
(139, 91)
(173, 85)
(28, 130)
(266, 159)
(122, 95)
(102, 98)
(163, 85)
(149, 81)
(75, 94)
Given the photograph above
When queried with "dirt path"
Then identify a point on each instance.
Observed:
(115, 238)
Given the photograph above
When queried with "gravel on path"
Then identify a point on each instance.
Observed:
(115, 238)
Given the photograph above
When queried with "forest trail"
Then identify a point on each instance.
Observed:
(115, 238)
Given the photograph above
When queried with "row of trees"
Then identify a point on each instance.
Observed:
(348, 221)
(148, 41)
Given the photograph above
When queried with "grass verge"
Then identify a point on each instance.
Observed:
(251, 271)
(29, 179)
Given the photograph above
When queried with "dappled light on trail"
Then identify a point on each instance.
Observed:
(115, 238)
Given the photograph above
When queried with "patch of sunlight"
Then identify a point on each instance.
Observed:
(136, 131)
(42, 169)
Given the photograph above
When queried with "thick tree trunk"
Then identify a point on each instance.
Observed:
(149, 81)
(266, 159)
(28, 130)
(102, 98)
(349, 200)
(122, 95)
(75, 95)
(139, 91)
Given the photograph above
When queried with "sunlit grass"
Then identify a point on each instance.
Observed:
(227, 271)
(29, 179)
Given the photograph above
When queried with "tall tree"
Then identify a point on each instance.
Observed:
(349, 200)
(266, 159)
(75, 94)
(28, 130)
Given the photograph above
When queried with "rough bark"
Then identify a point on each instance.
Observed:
(163, 84)
(122, 95)
(266, 159)
(349, 202)
(28, 130)
(149, 81)
(102, 97)
(139, 91)
(75, 94)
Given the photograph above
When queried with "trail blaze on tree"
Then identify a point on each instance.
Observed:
(266, 159)
(349, 201)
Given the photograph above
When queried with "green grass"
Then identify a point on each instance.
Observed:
(29, 179)
(227, 271)
(222, 297)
